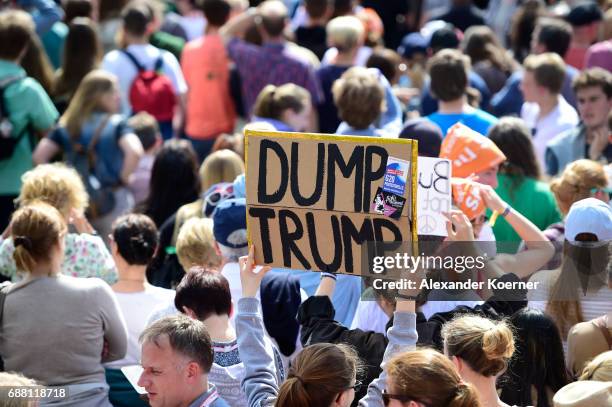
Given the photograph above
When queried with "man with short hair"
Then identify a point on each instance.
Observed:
(177, 356)
(585, 19)
(346, 34)
(274, 62)
(25, 106)
(205, 296)
(448, 70)
(138, 25)
(590, 139)
(549, 35)
(545, 111)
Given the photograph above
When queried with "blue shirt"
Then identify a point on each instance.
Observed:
(346, 295)
(429, 104)
(508, 101)
(209, 399)
(109, 156)
(477, 120)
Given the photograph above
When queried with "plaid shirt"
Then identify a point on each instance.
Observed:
(270, 64)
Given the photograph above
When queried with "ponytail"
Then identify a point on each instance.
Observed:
(318, 375)
(35, 229)
(272, 101)
(465, 395)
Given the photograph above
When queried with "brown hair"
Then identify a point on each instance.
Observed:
(429, 377)
(485, 345)
(318, 374)
(16, 31)
(449, 74)
(272, 101)
(187, 337)
(481, 44)
(146, 128)
(594, 77)
(359, 97)
(82, 53)
(576, 182)
(548, 70)
(35, 229)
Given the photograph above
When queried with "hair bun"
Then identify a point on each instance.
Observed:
(22, 241)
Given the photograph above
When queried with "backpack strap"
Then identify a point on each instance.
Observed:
(133, 59)
(91, 148)
(159, 63)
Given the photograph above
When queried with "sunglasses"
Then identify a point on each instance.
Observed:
(356, 386)
(605, 190)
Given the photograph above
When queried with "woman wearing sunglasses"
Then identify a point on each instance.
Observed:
(321, 374)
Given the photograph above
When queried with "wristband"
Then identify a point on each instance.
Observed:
(506, 211)
(330, 275)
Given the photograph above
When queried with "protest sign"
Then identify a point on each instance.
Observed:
(313, 199)
(433, 195)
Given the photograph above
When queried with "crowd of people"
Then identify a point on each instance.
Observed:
(123, 201)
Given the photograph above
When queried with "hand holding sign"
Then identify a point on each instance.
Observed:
(459, 227)
(249, 278)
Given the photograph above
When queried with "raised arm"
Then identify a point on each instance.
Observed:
(237, 25)
(257, 355)
(540, 251)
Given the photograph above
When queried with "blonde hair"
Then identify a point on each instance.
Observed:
(599, 369)
(195, 244)
(272, 101)
(56, 184)
(548, 70)
(484, 344)
(430, 378)
(345, 32)
(576, 182)
(15, 380)
(35, 229)
(86, 100)
(220, 166)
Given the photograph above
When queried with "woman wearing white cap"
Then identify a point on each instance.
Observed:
(580, 290)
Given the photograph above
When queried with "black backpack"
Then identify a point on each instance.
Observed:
(8, 140)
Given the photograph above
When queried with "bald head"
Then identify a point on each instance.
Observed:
(273, 17)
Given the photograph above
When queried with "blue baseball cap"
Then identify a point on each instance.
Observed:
(229, 223)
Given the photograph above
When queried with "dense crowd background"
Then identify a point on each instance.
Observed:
(122, 200)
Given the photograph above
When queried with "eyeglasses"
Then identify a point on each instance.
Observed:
(356, 386)
(401, 398)
(605, 190)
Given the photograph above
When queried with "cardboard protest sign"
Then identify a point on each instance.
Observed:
(433, 195)
(313, 199)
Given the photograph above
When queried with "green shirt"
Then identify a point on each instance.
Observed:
(27, 104)
(168, 42)
(532, 199)
(53, 41)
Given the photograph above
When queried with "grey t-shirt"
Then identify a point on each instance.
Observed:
(53, 329)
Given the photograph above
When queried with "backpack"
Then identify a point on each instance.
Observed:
(83, 159)
(8, 141)
(152, 91)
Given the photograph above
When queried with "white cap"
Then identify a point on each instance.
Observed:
(589, 216)
(585, 393)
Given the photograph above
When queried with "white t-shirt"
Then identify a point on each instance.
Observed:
(136, 308)
(117, 63)
(563, 117)
(370, 317)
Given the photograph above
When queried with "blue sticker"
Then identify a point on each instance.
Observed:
(396, 175)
